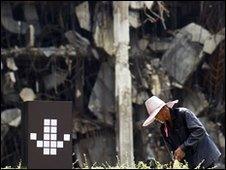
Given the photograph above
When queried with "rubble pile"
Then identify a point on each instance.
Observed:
(76, 62)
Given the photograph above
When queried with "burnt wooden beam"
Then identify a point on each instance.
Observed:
(67, 50)
(79, 84)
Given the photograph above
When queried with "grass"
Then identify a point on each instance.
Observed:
(140, 165)
(175, 164)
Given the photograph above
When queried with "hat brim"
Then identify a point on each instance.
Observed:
(171, 103)
(151, 118)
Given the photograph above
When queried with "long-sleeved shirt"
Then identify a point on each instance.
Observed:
(186, 131)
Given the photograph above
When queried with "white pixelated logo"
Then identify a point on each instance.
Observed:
(50, 144)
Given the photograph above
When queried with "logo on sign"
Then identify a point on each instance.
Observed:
(49, 144)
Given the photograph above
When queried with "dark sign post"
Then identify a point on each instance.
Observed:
(47, 135)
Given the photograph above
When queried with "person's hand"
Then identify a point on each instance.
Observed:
(179, 154)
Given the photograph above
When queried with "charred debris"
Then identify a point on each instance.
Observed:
(66, 51)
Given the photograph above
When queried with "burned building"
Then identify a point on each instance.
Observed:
(66, 51)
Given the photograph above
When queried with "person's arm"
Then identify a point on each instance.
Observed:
(196, 129)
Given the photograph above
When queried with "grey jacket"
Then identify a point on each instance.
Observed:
(188, 132)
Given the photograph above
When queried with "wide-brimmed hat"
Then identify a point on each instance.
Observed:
(154, 105)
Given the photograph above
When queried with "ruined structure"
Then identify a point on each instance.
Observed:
(108, 58)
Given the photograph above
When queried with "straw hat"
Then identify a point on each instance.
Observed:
(154, 105)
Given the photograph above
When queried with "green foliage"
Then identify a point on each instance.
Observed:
(140, 165)
(19, 166)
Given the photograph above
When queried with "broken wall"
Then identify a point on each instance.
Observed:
(179, 55)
